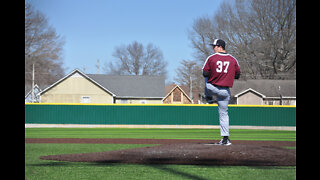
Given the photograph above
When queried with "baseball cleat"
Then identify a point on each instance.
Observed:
(219, 143)
(226, 143)
(223, 142)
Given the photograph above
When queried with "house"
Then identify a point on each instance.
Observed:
(28, 97)
(261, 92)
(264, 92)
(77, 87)
(176, 95)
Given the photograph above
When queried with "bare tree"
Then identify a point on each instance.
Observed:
(135, 59)
(201, 35)
(43, 48)
(260, 33)
(189, 73)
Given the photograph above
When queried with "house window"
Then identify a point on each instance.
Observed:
(177, 95)
(85, 99)
(123, 101)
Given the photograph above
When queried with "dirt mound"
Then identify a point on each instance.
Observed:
(190, 153)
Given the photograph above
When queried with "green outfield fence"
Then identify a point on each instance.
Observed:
(115, 114)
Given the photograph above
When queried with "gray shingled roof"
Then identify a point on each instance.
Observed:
(132, 86)
(269, 88)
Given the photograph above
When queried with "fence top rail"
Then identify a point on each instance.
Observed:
(230, 105)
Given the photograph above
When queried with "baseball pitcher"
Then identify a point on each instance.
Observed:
(220, 69)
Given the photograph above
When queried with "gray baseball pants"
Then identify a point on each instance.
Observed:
(223, 97)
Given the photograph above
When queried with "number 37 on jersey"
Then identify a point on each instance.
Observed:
(222, 66)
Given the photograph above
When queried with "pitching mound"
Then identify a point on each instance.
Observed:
(190, 153)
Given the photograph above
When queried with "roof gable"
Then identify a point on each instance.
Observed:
(28, 97)
(76, 73)
(36, 90)
(248, 90)
(177, 86)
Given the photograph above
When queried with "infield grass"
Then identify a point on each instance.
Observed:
(235, 134)
(36, 168)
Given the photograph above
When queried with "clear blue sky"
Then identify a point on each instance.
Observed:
(93, 28)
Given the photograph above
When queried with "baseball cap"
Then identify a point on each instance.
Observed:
(218, 42)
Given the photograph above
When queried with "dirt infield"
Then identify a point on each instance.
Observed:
(184, 151)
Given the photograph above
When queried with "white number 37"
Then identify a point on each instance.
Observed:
(221, 64)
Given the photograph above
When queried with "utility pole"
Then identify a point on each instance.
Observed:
(32, 91)
(98, 66)
(190, 89)
(280, 95)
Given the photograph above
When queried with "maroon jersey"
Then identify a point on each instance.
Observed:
(222, 69)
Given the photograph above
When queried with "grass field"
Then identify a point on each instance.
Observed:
(43, 169)
(235, 134)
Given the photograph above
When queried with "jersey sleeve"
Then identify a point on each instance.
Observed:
(206, 65)
(237, 69)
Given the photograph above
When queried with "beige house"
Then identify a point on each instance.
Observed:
(250, 96)
(77, 87)
(264, 92)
